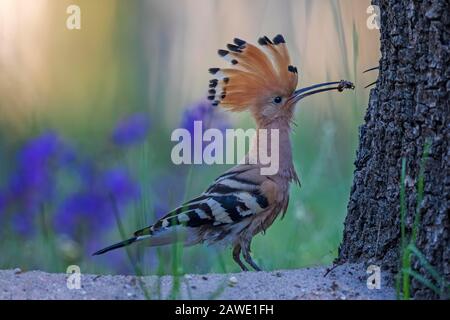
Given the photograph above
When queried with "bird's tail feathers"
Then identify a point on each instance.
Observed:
(160, 238)
(116, 246)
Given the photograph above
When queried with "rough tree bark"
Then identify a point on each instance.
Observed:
(409, 104)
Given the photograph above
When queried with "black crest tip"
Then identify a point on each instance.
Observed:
(233, 48)
(239, 42)
(222, 52)
(262, 41)
(292, 69)
(268, 40)
(278, 39)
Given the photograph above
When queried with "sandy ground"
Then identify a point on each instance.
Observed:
(344, 282)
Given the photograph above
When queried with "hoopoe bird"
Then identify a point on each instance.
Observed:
(242, 202)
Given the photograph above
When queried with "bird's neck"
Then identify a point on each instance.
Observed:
(278, 143)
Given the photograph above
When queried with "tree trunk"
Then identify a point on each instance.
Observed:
(409, 105)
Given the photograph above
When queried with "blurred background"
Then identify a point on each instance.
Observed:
(86, 117)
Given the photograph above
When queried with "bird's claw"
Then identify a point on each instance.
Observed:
(344, 84)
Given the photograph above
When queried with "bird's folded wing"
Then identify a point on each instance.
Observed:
(237, 194)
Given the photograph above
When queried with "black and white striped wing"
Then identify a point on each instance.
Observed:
(229, 199)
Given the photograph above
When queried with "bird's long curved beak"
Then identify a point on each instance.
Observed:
(336, 85)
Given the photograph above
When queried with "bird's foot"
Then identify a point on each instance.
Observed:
(250, 261)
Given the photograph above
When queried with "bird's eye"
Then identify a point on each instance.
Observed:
(277, 100)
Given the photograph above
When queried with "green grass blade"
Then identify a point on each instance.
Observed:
(406, 264)
(404, 279)
(406, 251)
(403, 204)
(177, 249)
(422, 279)
(135, 266)
(433, 272)
(420, 186)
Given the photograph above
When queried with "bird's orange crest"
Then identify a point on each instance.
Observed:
(255, 75)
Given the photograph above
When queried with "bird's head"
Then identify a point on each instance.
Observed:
(263, 82)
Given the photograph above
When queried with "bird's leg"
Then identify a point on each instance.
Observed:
(248, 257)
(237, 258)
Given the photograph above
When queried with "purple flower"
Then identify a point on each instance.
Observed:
(131, 130)
(2, 202)
(32, 184)
(119, 184)
(23, 223)
(210, 117)
(91, 209)
(203, 111)
(169, 191)
(33, 174)
(3, 206)
(84, 212)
